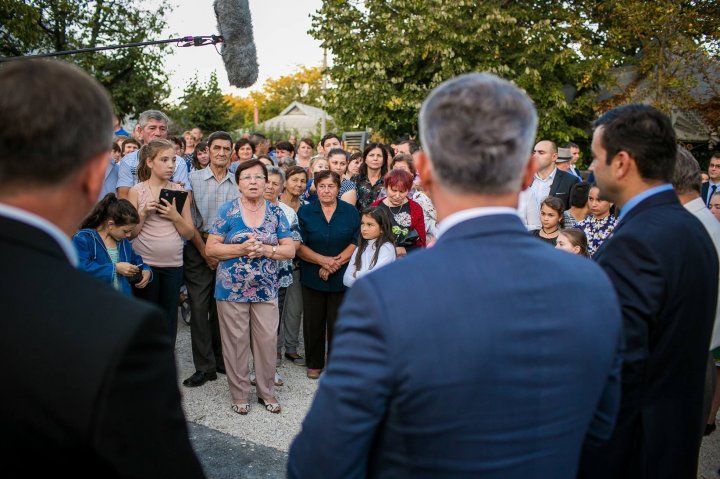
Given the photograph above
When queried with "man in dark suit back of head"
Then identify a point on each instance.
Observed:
(90, 380)
(470, 367)
(664, 267)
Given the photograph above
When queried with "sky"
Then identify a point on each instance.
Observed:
(279, 28)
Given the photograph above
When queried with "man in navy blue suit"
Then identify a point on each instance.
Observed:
(486, 360)
(665, 270)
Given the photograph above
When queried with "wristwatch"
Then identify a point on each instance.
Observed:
(274, 249)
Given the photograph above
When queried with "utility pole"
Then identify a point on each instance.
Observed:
(324, 93)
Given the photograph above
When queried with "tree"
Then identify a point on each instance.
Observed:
(667, 49)
(304, 85)
(134, 76)
(389, 54)
(202, 105)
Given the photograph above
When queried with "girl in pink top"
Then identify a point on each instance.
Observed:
(160, 232)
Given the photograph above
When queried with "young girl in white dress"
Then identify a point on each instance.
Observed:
(376, 246)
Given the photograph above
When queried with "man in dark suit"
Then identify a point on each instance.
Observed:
(665, 270)
(549, 180)
(711, 186)
(89, 385)
(472, 366)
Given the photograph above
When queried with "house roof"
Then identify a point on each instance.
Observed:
(298, 116)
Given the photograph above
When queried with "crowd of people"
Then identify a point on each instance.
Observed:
(271, 238)
(343, 212)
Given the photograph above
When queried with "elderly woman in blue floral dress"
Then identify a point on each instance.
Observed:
(249, 237)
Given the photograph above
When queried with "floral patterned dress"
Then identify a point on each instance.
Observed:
(367, 193)
(243, 279)
(596, 230)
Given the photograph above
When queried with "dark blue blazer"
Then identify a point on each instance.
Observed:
(705, 190)
(664, 268)
(477, 358)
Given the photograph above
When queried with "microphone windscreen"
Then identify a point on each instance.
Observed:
(238, 48)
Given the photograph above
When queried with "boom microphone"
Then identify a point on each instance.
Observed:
(238, 48)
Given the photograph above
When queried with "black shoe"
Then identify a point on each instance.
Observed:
(199, 378)
(220, 369)
(709, 429)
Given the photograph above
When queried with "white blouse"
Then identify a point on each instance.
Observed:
(386, 256)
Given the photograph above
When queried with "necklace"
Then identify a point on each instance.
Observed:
(551, 232)
(395, 212)
(152, 193)
(250, 209)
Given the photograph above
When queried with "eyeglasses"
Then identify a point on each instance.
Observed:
(252, 177)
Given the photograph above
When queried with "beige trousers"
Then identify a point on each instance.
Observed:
(240, 324)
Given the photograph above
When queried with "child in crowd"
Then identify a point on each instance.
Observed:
(551, 219)
(161, 229)
(600, 223)
(103, 247)
(375, 246)
(573, 240)
(317, 164)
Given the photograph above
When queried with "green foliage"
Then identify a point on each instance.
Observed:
(134, 77)
(389, 54)
(202, 105)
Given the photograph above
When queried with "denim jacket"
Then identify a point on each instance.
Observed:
(94, 258)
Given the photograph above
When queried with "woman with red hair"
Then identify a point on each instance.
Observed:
(406, 216)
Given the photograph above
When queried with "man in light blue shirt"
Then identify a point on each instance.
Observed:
(151, 125)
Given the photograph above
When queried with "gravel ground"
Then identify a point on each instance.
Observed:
(209, 404)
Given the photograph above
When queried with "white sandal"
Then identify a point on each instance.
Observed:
(273, 407)
(241, 408)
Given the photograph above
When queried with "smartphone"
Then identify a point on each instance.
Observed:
(179, 196)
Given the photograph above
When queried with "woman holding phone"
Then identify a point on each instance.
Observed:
(159, 233)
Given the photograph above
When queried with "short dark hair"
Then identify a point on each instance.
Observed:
(249, 164)
(646, 134)
(243, 142)
(295, 170)
(404, 158)
(557, 205)
(285, 145)
(178, 140)
(412, 146)
(572, 145)
(324, 174)
(130, 141)
(336, 151)
(327, 137)
(579, 194)
(219, 135)
(307, 141)
(55, 119)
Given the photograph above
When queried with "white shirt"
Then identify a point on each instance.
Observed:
(44, 225)
(712, 225)
(385, 256)
(531, 199)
